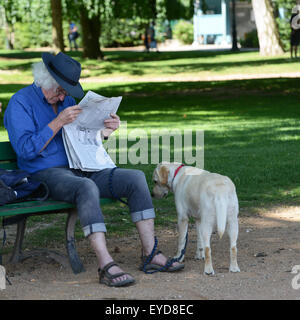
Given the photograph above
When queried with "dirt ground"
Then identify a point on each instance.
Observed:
(268, 250)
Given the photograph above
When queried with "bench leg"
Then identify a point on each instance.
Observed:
(75, 262)
(17, 251)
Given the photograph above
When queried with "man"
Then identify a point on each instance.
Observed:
(295, 35)
(73, 35)
(34, 118)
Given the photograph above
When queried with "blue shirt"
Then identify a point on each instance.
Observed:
(26, 119)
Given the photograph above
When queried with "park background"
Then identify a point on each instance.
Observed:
(243, 93)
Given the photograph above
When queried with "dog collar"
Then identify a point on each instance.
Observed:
(175, 174)
(176, 171)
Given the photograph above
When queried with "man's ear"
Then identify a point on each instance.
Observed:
(164, 174)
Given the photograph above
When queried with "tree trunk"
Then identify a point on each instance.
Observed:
(233, 26)
(57, 29)
(90, 35)
(267, 30)
(8, 27)
(9, 36)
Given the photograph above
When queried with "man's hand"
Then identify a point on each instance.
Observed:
(68, 115)
(111, 125)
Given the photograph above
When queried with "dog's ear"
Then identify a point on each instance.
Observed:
(164, 173)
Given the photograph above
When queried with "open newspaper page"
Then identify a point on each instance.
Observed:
(82, 137)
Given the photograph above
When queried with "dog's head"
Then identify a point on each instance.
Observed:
(162, 179)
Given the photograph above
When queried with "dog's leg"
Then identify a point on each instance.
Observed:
(206, 231)
(233, 235)
(182, 223)
(199, 251)
(182, 230)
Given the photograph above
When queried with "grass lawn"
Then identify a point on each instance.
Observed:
(251, 127)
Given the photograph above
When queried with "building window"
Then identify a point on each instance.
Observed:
(211, 7)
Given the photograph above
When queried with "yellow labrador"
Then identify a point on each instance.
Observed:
(208, 197)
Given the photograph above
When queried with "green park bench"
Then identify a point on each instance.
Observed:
(17, 213)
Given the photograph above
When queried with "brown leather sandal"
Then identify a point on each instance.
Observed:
(107, 278)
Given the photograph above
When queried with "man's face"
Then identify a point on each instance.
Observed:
(55, 95)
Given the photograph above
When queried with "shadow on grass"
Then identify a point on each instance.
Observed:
(187, 88)
(128, 62)
(123, 55)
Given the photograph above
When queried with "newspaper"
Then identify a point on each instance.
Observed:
(82, 137)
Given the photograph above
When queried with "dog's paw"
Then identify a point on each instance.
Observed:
(199, 257)
(234, 269)
(209, 271)
(199, 254)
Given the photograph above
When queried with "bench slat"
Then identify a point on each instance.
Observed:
(39, 206)
(7, 152)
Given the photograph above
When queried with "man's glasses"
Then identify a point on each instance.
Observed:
(59, 91)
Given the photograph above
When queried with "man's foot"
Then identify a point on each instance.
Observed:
(161, 260)
(158, 262)
(113, 276)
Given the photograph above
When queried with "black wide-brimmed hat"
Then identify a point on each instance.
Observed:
(66, 71)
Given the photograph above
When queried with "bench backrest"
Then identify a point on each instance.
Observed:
(8, 158)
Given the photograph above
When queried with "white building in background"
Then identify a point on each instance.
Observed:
(214, 25)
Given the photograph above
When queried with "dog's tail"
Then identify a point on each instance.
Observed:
(221, 214)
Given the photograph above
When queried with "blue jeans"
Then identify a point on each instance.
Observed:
(85, 188)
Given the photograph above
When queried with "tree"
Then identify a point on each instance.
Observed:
(89, 14)
(90, 25)
(9, 15)
(267, 29)
(57, 30)
(233, 27)
(31, 17)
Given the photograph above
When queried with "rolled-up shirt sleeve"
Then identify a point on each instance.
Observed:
(25, 136)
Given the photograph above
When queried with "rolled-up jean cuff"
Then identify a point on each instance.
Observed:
(95, 227)
(143, 215)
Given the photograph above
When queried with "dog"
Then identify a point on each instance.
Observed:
(208, 197)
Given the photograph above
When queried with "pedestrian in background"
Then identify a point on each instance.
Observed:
(73, 35)
(295, 35)
(153, 43)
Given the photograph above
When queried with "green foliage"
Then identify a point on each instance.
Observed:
(137, 8)
(250, 40)
(29, 22)
(180, 9)
(284, 32)
(25, 38)
(122, 32)
(122, 21)
(184, 32)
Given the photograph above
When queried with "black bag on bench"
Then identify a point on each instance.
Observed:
(17, 185)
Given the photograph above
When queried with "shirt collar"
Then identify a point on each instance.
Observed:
(38, 91)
